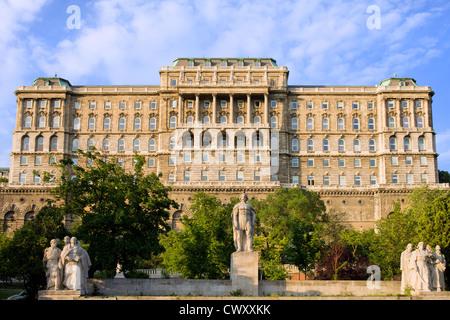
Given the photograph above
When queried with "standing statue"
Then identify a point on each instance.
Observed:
(76, 265)
(420, 274)
(51, 261)
(439, 265)
(244, 217)
(404, 267)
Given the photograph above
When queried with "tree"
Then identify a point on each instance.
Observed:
(121, 214)
(203, 248)
(21, 255)
(444, 176)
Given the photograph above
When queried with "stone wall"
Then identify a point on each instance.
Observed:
(183, 287)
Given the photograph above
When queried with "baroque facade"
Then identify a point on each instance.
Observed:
(227, 125)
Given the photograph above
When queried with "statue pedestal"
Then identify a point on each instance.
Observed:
(59, 294)
(244, 272)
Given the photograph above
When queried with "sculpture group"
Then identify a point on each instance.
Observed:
(422, 269)
(66, 269)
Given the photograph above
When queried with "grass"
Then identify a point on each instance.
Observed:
(7, 292)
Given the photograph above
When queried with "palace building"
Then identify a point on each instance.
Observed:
(229, 125)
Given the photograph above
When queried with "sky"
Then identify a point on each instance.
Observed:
(322, 42)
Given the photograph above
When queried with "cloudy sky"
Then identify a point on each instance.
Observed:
(320, 41)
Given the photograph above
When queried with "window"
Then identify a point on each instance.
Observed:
(41, 122)
(105, 145)
(172, 161)
(151, 162)
(373, 180)
(121, 145)
(91, 123)
(53, 143)
(187, 157)
(394, 161)
(294, 162)
(90, 144)
(390, 104)
(75, 144)
(240, 157)
(324, 105)
(418, 104)
(392, 144)
(356, 145)
(77, 105)
(370, 105)
(371, 124)
(357, 162)
(223, 119)
(294, 145)
(310, 180)
(423, 178)
(421, 142)
(55, 122)
(76, 123)
(295, 179)
(27, 122)
(39, 143)
(409, 178)
(187, 176)
(325, 124)
(342, 180)
(273, 103)
(423, 161)
(239, 119)
(404, 104)
(43, 104)
(107, 105)
(189, 120)
(309, 105)
(355, 124)
(310, 145)
(36, 178)
(273, 122)
(151, 145)
(294, 124)
(92, 105)
(373, 163)
(23, 160)
(372, 147)
(256, 119)
(341, 163)
(407, 143)
(222, 157)
(326, 162)
(310, 124)
(294, 105)
(340, 105)
(395, 178)
(355, 105)
(419, 122)
(257, 175)
(391, 122)
(153, 104)
(22, 178)
(340, 123)
(325, 145)
(341, 145)
(29, 104)
(257, 158)
(173, 82)
(310, 163)
(136, 145)
(222, 175)
(204, 175)
(190, 104)
(408, 161)
(122, 123)
(223, 104)
(106, 124)
(357, 180)
(326, 180)
(239, 175)
(137, 105)
(405, 122)
(152, 125)
(137, 123)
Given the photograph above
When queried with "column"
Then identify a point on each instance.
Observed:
(197, 108)
(180, 110)
(214, 106)
(249, 109)
(266, 108)
(231, 109)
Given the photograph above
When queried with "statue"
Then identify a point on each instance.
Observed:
(439, 265)
(420, 275)
(76, 264)
(51, 261)
(244, 217)
(404, 267)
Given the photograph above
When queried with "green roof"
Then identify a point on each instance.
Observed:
(387, 82)
(273, 62)
(61, 81)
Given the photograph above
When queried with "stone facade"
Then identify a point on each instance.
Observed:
(227, 125)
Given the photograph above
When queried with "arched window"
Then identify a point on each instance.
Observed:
(240, 119)
(206, 139)
(371, 124)
(419, 122)
(391, 122)
(137, 123)
(240, 139)
(257, 139)
(310, 145)
(294, 145)
(392, 143)
(55, 123)
(53, 143)
(91, 123)
(41, 122)
(25, 143)
(75, 144)
(27, 123)
(355, 124)
(173, 122)
(39, 143)
(372, 145)
(136, 145)
(105, 145)
(325, 124)
(152, 145)
(340, 124)
(341, 145)
(310, 124)
(256, 119)
(106, 124)
(294, 123)
(90, 144)
(273, 122)
(189, 120)
(152, 125)
(171, 143)
(407, 143)
(122, 123)
(121, 145)
(405, 122)
(223, 119)
(356, 145)
(421, 143)
(188, 140)
(76, 123)
(325, 145)
(222, 139)
(274, 143)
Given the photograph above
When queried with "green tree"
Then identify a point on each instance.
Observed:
(444, 176)
(203, 248)
(121, 214)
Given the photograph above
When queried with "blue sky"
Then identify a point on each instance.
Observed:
(321, 42)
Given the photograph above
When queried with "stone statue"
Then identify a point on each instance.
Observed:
(76, 264)
(51, 261)
(404, 267)
(244, 217)
(420, 274)
(439, 265)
